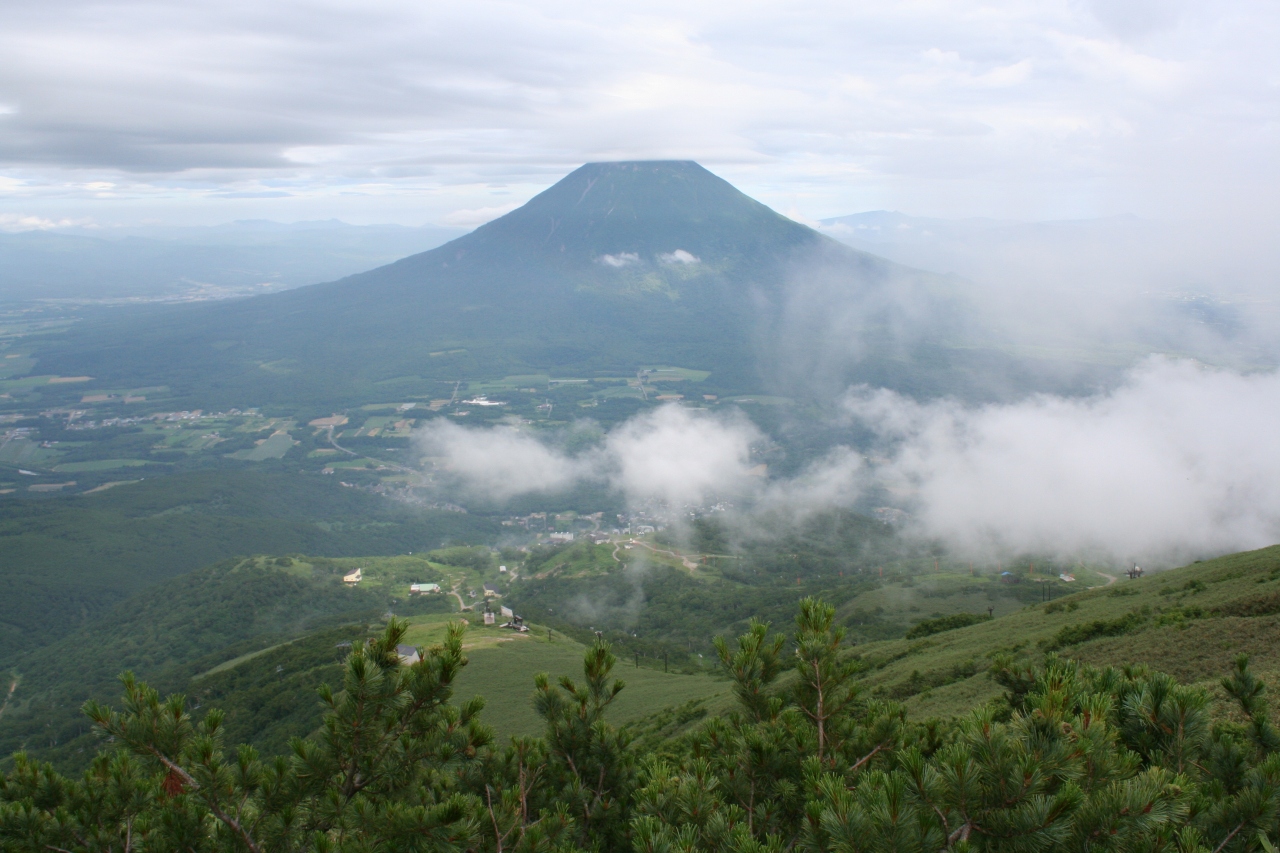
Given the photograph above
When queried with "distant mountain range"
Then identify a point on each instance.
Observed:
(617, 266)
(235, 259)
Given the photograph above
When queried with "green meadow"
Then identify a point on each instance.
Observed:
(1189, 622)
(502, 664)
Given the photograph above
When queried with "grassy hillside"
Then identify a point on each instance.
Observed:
(257, 636)
(503, 664)
(1189, 622)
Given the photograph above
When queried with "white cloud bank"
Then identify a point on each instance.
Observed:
(499, 463)
(679, 456)
(1178, 461)
(670, 454)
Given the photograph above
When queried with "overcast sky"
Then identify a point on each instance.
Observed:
(121, 111)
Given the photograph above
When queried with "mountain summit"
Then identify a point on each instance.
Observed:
(616, 266)
(630, 228)
(644, 207)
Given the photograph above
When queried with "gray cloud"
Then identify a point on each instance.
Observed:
(1023, 110)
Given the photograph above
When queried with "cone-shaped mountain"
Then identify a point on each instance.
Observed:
(606, 228)
(616, 266)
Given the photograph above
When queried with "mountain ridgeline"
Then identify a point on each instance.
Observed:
(617, 266)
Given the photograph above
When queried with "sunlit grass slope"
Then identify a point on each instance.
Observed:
(1189, 622)
(503, 664)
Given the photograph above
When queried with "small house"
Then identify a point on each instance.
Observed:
(424, 589)
(408, 655)
(491, 591)
(353, 578)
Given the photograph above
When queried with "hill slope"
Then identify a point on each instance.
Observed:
(65, 562)
(616, 266)
(1189, 622)
(257, 636)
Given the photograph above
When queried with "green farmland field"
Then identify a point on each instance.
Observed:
(99, 465)
(274, 447)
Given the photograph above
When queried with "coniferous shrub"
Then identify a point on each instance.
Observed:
(1073, 758)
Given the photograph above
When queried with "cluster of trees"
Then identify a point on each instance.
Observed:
(1076, 759)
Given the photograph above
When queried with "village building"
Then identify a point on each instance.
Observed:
(491, 591)
(353, 578)
(424, 589)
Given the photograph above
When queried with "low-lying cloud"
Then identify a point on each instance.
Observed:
(500, 463)
(671, 454)
(1179, 460)
(622, 259)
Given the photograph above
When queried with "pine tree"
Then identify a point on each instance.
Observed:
(1074, 758)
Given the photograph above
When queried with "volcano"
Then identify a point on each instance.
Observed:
(616, 266)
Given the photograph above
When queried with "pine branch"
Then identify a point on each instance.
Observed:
(1230, 835)
(190, 781)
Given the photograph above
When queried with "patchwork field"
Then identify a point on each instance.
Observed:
(273, 447)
